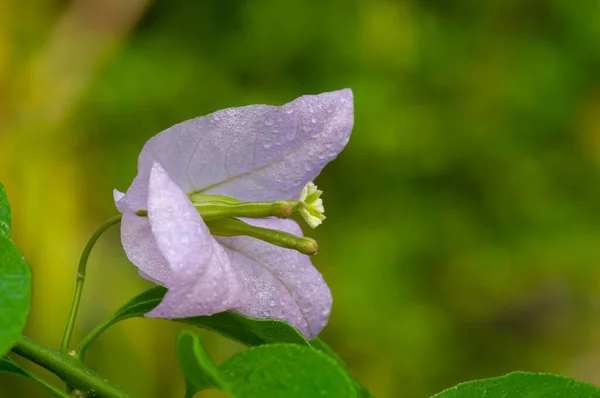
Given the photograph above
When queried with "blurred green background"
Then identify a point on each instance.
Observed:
(463, 230)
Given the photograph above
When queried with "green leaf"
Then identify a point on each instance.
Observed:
(285, 370)
(320, 345)
(246, 330)
(5, 215)
(15, 293)
(7, 365)
(523, 385)
(199, 370)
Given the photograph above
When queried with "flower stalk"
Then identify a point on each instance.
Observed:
(81, 271)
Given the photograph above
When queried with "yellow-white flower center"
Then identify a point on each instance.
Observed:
(313, 211)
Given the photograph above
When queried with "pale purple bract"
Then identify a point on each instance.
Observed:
(251, 153)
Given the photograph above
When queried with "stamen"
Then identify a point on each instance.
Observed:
(313, 211)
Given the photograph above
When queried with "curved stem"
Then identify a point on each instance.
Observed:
(87, 340)
(66, 339)
(73, 372)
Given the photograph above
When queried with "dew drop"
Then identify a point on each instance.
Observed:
(313, 120)
(267, 145)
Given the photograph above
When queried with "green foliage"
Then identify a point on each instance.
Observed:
(15, 282)
(7, 365)
(321, 346)
(199, 370)
(285, 370)
(274, 370)
(5, 214)
(248, 331)
(522, 385)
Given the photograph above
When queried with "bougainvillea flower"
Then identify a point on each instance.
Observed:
(250, 154)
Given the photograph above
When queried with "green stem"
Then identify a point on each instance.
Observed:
(87, 340)
(73, 372)
(66, 339)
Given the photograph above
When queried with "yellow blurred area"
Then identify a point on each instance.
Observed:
(463, 220)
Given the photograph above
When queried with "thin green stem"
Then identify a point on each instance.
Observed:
(73, 372)
(66, 339)
(87, 340)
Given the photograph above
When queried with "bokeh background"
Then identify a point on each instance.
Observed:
(463, 230)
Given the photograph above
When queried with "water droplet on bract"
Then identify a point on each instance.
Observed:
(313, 120)
(289, 111)
(267, 145)
(271, 303)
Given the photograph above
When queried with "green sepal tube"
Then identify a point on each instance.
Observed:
(235, 227)
(215, 211)
(215, 207)
(5, 215)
